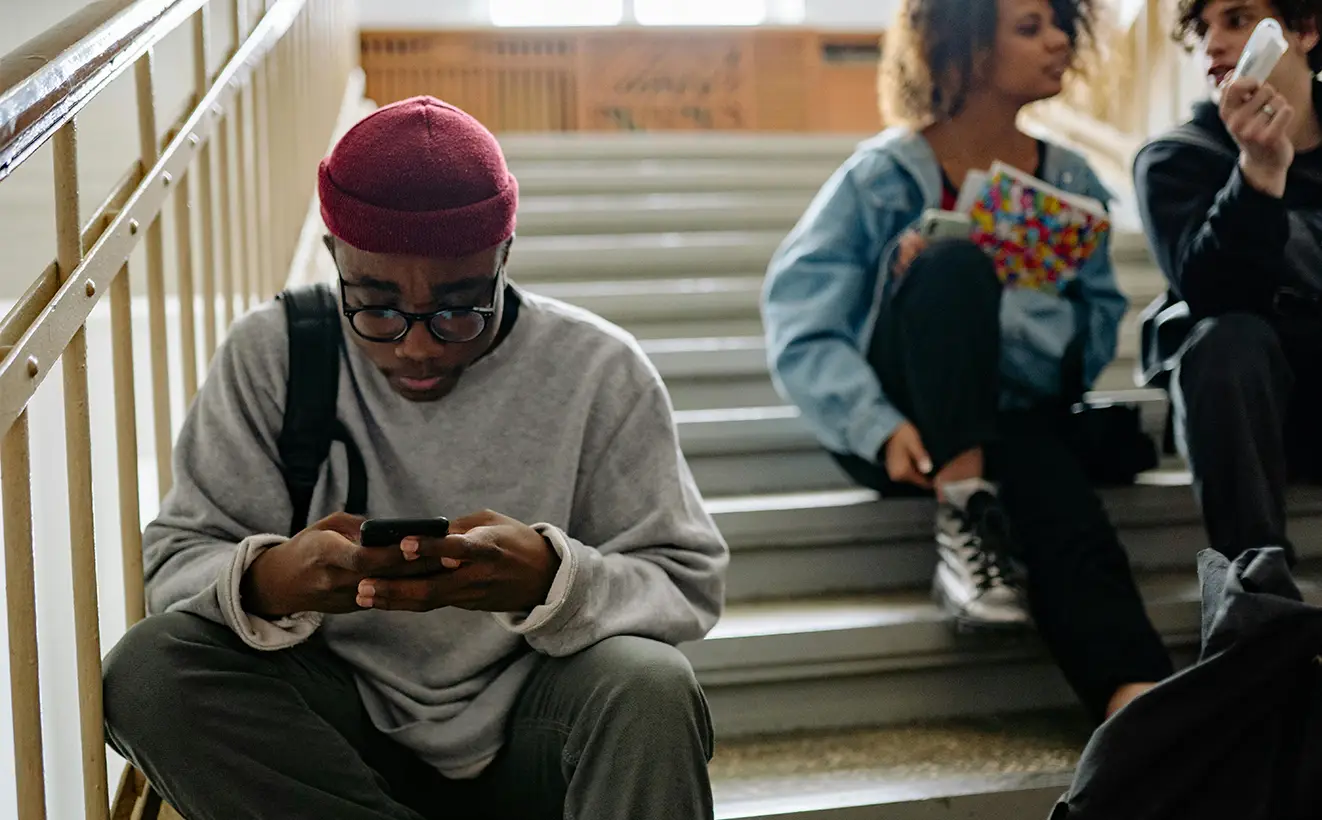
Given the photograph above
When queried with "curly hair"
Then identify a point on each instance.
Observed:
(1292, 14)
(936, 49)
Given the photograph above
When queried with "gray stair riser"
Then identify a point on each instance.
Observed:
(820, 569)
(780, 430)
(902, 639)
(662, 177)
(735, 298)
(550, 216)
(887, 698)
(711, 253)
(756, 390)
(730, 147)
(769, 472)
(859, 517)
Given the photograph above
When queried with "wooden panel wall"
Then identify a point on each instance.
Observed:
(631, 78)
(628, 79)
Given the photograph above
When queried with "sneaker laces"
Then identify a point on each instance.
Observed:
(983, 520)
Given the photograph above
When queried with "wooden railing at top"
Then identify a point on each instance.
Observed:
(250, 141)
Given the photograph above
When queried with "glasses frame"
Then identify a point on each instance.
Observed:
(486, 312)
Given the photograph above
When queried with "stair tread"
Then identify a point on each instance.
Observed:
(819, 770)
(879, 610)
(653, 202)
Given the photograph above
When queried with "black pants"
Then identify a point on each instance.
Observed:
(937, 354)
(1247, 397)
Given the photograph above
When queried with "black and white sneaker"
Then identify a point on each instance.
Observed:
(978, 582)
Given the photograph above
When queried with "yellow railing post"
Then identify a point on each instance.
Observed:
(205, 187)
(160, 364)
(78, 431)
(24, 681)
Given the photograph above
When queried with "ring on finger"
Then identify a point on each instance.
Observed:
(1268, 110)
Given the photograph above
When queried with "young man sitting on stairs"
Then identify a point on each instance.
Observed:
(522, 666)
(1232, 205)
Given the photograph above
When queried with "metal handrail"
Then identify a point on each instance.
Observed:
(45, 82)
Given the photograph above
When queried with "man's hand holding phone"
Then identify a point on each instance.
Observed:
(489, 562)
(319, 569)
(1259, 120)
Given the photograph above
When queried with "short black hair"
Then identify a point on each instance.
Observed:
(1293, 14)
(931, 54)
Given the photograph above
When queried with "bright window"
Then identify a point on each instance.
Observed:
(556, 12)
(701, 12)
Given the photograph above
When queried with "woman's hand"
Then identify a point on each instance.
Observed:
(910, 245)
(1259, 118)
(905, 457)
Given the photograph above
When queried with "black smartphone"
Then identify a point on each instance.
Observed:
(386, 532)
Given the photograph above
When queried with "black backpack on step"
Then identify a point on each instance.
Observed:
(316, 343)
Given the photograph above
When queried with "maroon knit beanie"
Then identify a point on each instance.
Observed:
(418, 177)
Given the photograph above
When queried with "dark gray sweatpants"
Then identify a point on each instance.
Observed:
(619, 731)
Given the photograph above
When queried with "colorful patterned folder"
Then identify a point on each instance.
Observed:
(1037, 235)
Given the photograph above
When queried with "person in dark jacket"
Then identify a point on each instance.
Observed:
(1232, 206)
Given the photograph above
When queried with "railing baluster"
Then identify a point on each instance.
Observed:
(160, 365)
(183, 242)
(247, 212)
(78, 432)
(231, 243)
(20, 592)
(261, 150)
(126, 445)
(205, 188)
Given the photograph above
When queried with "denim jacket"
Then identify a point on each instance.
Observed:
(828, 279)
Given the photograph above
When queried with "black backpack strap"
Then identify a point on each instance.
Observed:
(315, 344)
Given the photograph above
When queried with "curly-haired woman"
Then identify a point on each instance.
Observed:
(920, 372)
(1232, 205)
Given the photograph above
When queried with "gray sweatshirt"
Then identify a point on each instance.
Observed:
(565, 426)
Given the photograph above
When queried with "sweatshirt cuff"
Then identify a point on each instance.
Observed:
(257, 632)
(869, 432)
(521, 623)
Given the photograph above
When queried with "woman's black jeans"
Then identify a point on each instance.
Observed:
(937, 354)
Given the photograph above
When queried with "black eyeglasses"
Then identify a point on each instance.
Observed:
(454, 325)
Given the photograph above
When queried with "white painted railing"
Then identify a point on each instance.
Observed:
(235, 173)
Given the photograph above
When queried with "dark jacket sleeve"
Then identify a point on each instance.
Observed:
(1219, 241)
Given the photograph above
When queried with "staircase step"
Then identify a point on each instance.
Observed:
(731, 147)
(769, 449)
(754, 388)
(893, 657)
(633, 302)
(991, 768)
(850, 540)
(606, 257)
(655, 176)
(660, 213)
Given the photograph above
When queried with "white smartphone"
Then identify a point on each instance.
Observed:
(938, 224)
(1261, 53)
